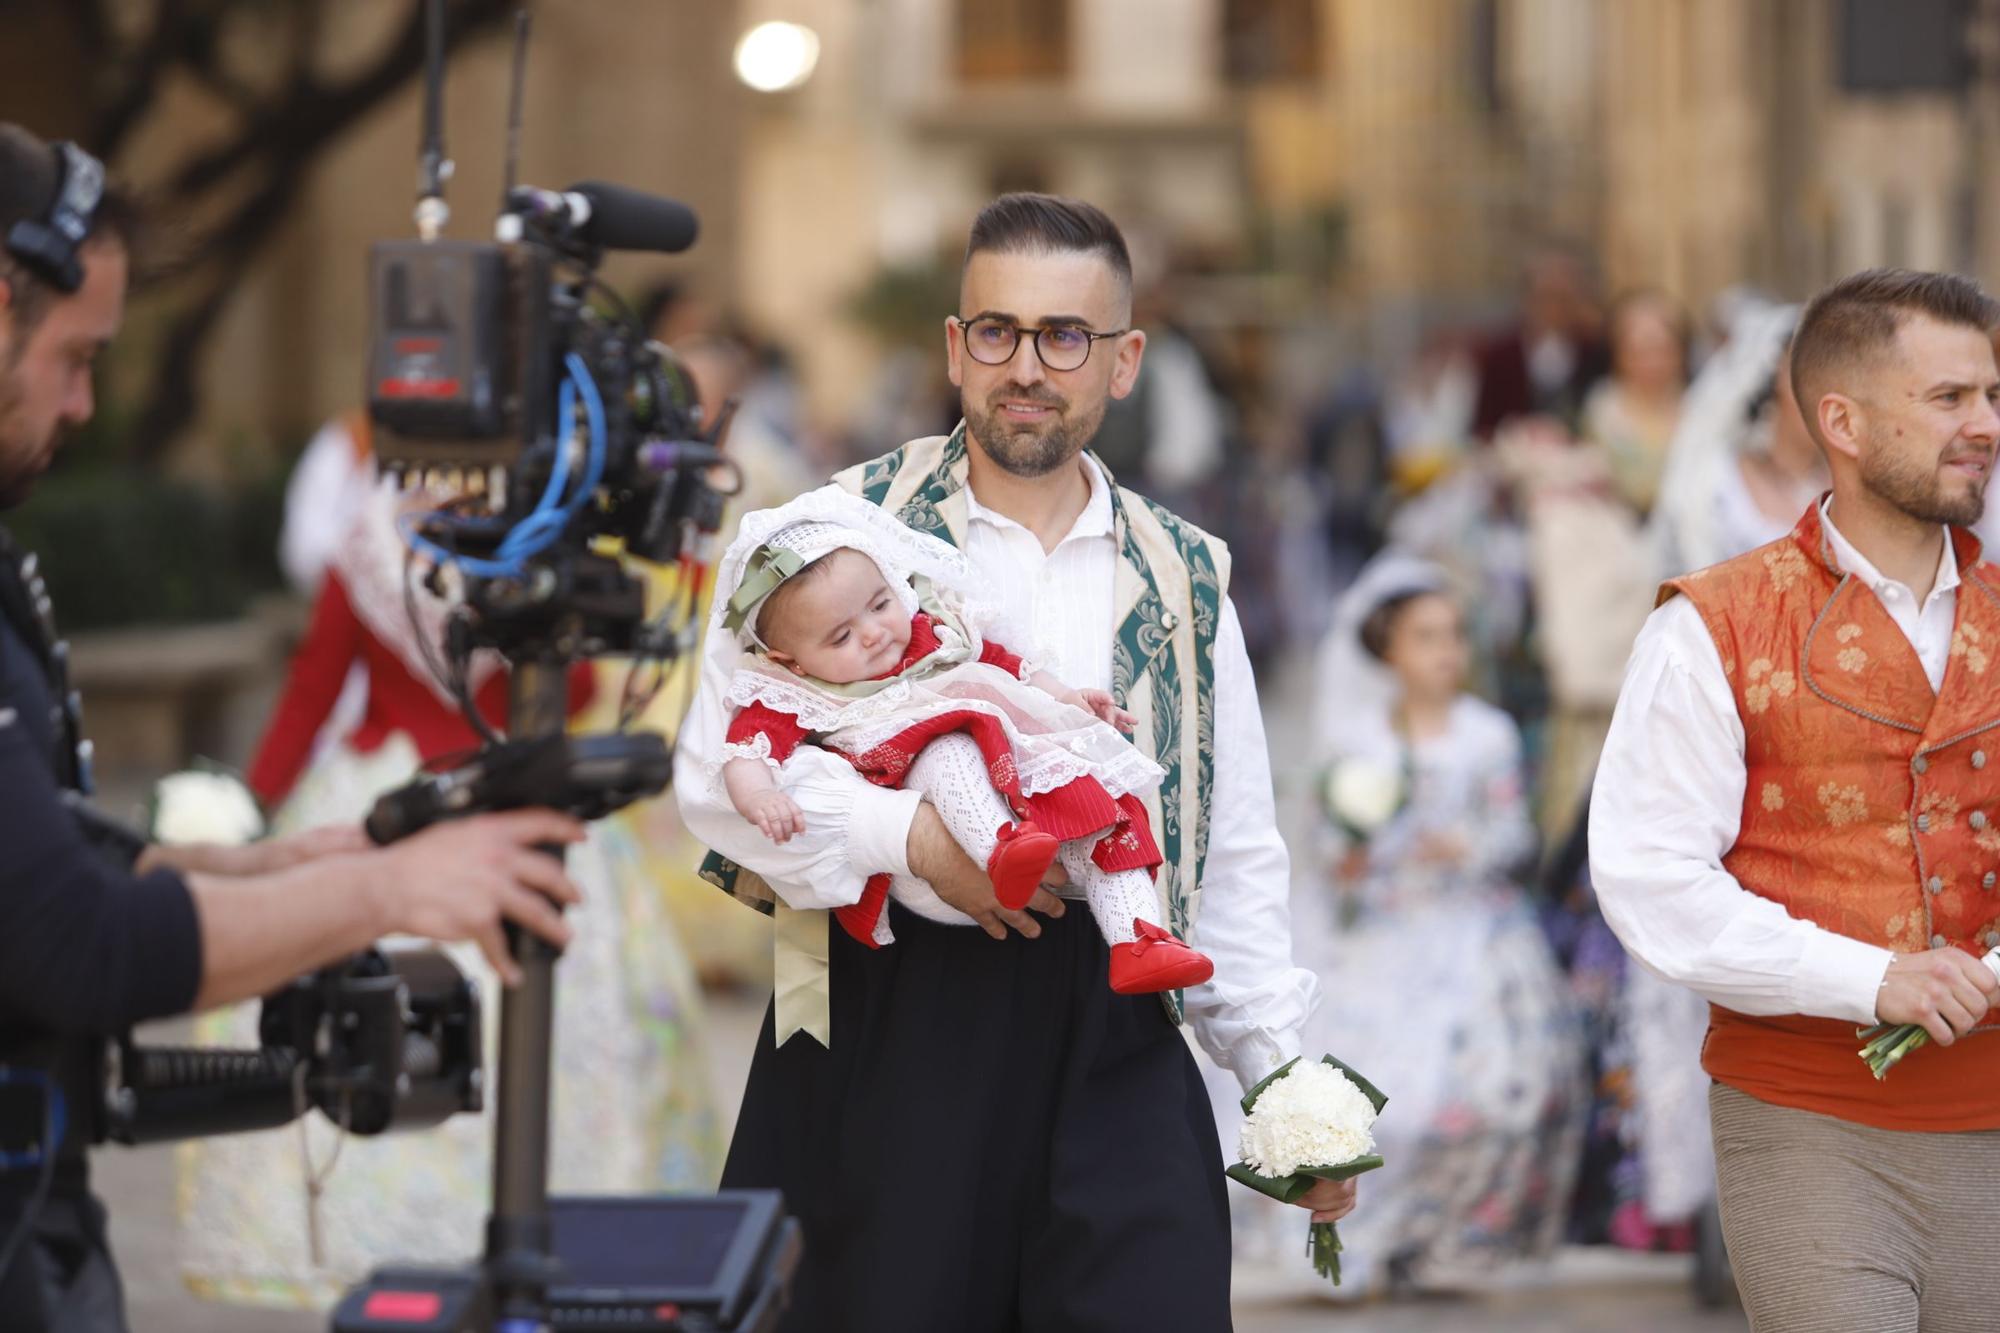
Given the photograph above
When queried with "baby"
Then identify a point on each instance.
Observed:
(859, 639)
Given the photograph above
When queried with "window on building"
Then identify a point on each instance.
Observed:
(1910, 46)
(1270, 41)
(1013, 41)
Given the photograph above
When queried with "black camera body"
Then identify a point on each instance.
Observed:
(387, 1039)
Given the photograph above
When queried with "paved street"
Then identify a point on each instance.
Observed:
(1586, 1292)
(1583, 1292)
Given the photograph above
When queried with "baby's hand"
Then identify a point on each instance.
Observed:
(1106, 708)
(777, 815)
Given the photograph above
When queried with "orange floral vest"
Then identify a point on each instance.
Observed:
(1870, 809)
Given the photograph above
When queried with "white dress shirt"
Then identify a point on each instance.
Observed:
(1668, 804)
(1248, 1015)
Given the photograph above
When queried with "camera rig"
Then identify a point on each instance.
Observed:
(507, 375)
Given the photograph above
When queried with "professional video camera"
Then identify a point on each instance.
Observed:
(388, 1039)
(505, 374)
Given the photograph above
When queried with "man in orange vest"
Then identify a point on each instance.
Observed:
(1796, 816)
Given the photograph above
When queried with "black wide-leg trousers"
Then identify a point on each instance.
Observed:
(994, 1143)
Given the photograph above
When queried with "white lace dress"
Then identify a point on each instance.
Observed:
(1441, 989)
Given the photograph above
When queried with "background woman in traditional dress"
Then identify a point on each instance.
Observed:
(1439, 985)
(1741, 469)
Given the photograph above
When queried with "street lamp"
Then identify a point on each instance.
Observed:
(777, 57)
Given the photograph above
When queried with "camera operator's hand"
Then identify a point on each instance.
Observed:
(461, 880)
(454, 881)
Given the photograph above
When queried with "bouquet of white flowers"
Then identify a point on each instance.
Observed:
(1885, 1044)
(1361, 796)
(1306, 1123)
(204, 805)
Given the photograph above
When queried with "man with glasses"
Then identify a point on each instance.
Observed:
(977, 1134)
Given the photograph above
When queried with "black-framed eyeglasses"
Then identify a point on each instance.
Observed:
(993, 342)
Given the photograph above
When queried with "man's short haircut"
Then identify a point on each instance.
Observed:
(1022, 223)
(1858, 317)
(28, 181)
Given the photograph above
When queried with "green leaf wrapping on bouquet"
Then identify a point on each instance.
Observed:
(1290, 1189)
(1375, 1095)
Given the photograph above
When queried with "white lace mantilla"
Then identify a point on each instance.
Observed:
(1053, 743)
(372, 563)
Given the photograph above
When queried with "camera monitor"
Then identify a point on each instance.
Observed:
(709, 1261)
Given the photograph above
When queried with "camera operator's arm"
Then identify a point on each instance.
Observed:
(456, 881)
(265, 857)
(89, 948)
(85, 947)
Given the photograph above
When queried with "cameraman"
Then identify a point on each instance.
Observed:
(90, 942)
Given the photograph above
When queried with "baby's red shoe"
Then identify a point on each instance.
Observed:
(1156, 961)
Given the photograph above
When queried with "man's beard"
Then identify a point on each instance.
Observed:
(1918, 490)
(1032, 450)
(14, 487)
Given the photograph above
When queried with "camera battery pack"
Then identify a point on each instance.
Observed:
(451, 377)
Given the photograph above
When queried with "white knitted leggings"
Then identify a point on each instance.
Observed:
(951, 773)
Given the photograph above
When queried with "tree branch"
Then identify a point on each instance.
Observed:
(309, 116)
(281, 141)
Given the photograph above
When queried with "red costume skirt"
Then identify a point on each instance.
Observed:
(1077, 809)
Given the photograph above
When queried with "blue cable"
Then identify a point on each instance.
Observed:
(551, 515)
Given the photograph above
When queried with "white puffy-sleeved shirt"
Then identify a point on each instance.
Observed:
(1668, 803)
(1247, 1017)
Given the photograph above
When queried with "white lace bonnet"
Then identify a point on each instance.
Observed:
(1356, 690)
(773, 544)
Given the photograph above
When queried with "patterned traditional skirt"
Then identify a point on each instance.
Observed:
(1456, 1009)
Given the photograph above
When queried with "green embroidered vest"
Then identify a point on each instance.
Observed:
(1170, 583)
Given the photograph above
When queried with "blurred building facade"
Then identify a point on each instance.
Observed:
(1391, 161)
(1381, 164)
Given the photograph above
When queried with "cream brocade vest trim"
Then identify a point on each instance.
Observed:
(1171, 580)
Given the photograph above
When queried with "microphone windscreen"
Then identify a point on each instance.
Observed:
(626, 219)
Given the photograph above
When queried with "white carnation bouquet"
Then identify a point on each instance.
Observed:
(1303, 1124)
(1361, 795)
(1885, 1044)
(204, 805)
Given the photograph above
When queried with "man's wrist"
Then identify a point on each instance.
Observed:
(1839, 977)
(878, 830)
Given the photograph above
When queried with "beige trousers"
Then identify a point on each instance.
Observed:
(1835, 1227)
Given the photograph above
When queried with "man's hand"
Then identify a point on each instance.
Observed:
(1328, 1200)
(776, 815)
(462, 879)
(936, 858)
(1946, 990)
(1106, 709)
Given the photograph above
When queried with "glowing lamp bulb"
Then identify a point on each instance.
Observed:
(776, 57)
